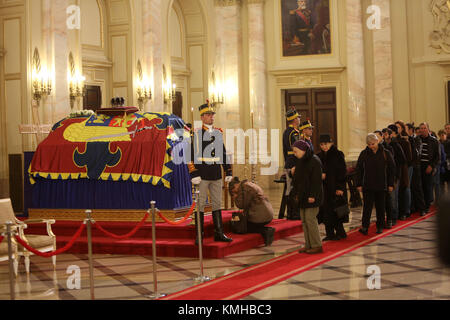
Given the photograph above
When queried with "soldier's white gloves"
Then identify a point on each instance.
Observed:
(228, 179)
(196, 180)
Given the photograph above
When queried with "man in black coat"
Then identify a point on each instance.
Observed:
(334, 187)
(417, 197)
(429, 162)
(374, 176)
(400, 161)
(404, 193)
(388, 195)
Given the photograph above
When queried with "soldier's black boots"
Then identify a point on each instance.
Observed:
(218, 227)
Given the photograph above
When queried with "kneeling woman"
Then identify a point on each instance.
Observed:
(250, 197)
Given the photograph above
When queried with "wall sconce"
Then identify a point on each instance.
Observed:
(144, 91)
(169, 89)
(216, 92)
(76, 83)
(41, 82)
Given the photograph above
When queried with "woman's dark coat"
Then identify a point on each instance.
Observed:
(333, 165)
(307, 181)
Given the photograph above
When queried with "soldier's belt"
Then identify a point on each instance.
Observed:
(208, 159)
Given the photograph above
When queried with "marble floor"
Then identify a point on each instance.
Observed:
(407, 261)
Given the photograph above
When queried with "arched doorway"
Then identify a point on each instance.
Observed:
(107, 50)
(188, 49)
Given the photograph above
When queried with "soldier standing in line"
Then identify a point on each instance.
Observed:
(306, 129)
(290, 136)
(208, 157)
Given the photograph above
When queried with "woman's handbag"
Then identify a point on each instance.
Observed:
(342, 209)
(239, 222)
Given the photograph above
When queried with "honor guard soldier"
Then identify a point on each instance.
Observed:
(208, 159)
(306, 129)
(290, 136)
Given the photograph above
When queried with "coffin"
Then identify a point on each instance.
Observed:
(117, 160)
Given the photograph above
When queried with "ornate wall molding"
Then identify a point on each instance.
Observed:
(440, 36)
(307, 78)
(255, 1)
(227, 3)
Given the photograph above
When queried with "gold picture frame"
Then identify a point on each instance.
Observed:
(306, 27)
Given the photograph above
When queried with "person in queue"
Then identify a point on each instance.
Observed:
(374, 176)
(308, 192)
(334, 182)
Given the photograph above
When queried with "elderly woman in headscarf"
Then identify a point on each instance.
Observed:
(308, 194)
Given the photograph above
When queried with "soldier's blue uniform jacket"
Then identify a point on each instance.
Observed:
(209, 155)
(290, 136)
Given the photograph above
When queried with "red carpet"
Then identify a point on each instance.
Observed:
(172, 241)
(255, 278)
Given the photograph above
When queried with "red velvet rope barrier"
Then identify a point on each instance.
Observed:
(126, 236)
(182, 220)
(52, 253)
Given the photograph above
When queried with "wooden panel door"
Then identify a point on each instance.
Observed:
(325, 122)
(93, 98)
(301, 101)
(318, 106)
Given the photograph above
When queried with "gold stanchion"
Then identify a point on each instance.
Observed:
(201, 277)
(155, 294)
(10, 233)
(88, 222)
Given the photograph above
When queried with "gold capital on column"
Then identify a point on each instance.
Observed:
(227, 3)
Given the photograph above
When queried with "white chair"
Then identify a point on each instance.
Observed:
(4, 249)
(43, 243)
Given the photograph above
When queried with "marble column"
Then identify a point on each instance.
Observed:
(382, 55)
(228, 60)
(257, 82)
(257, 63)
(152, 51)
(228, 71)
(47, 54)
(59, 34)
(357, 108)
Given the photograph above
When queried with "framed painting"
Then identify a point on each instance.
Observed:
(306, 27)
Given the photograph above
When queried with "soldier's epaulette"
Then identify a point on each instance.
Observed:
(220, 129)
(191, 167)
